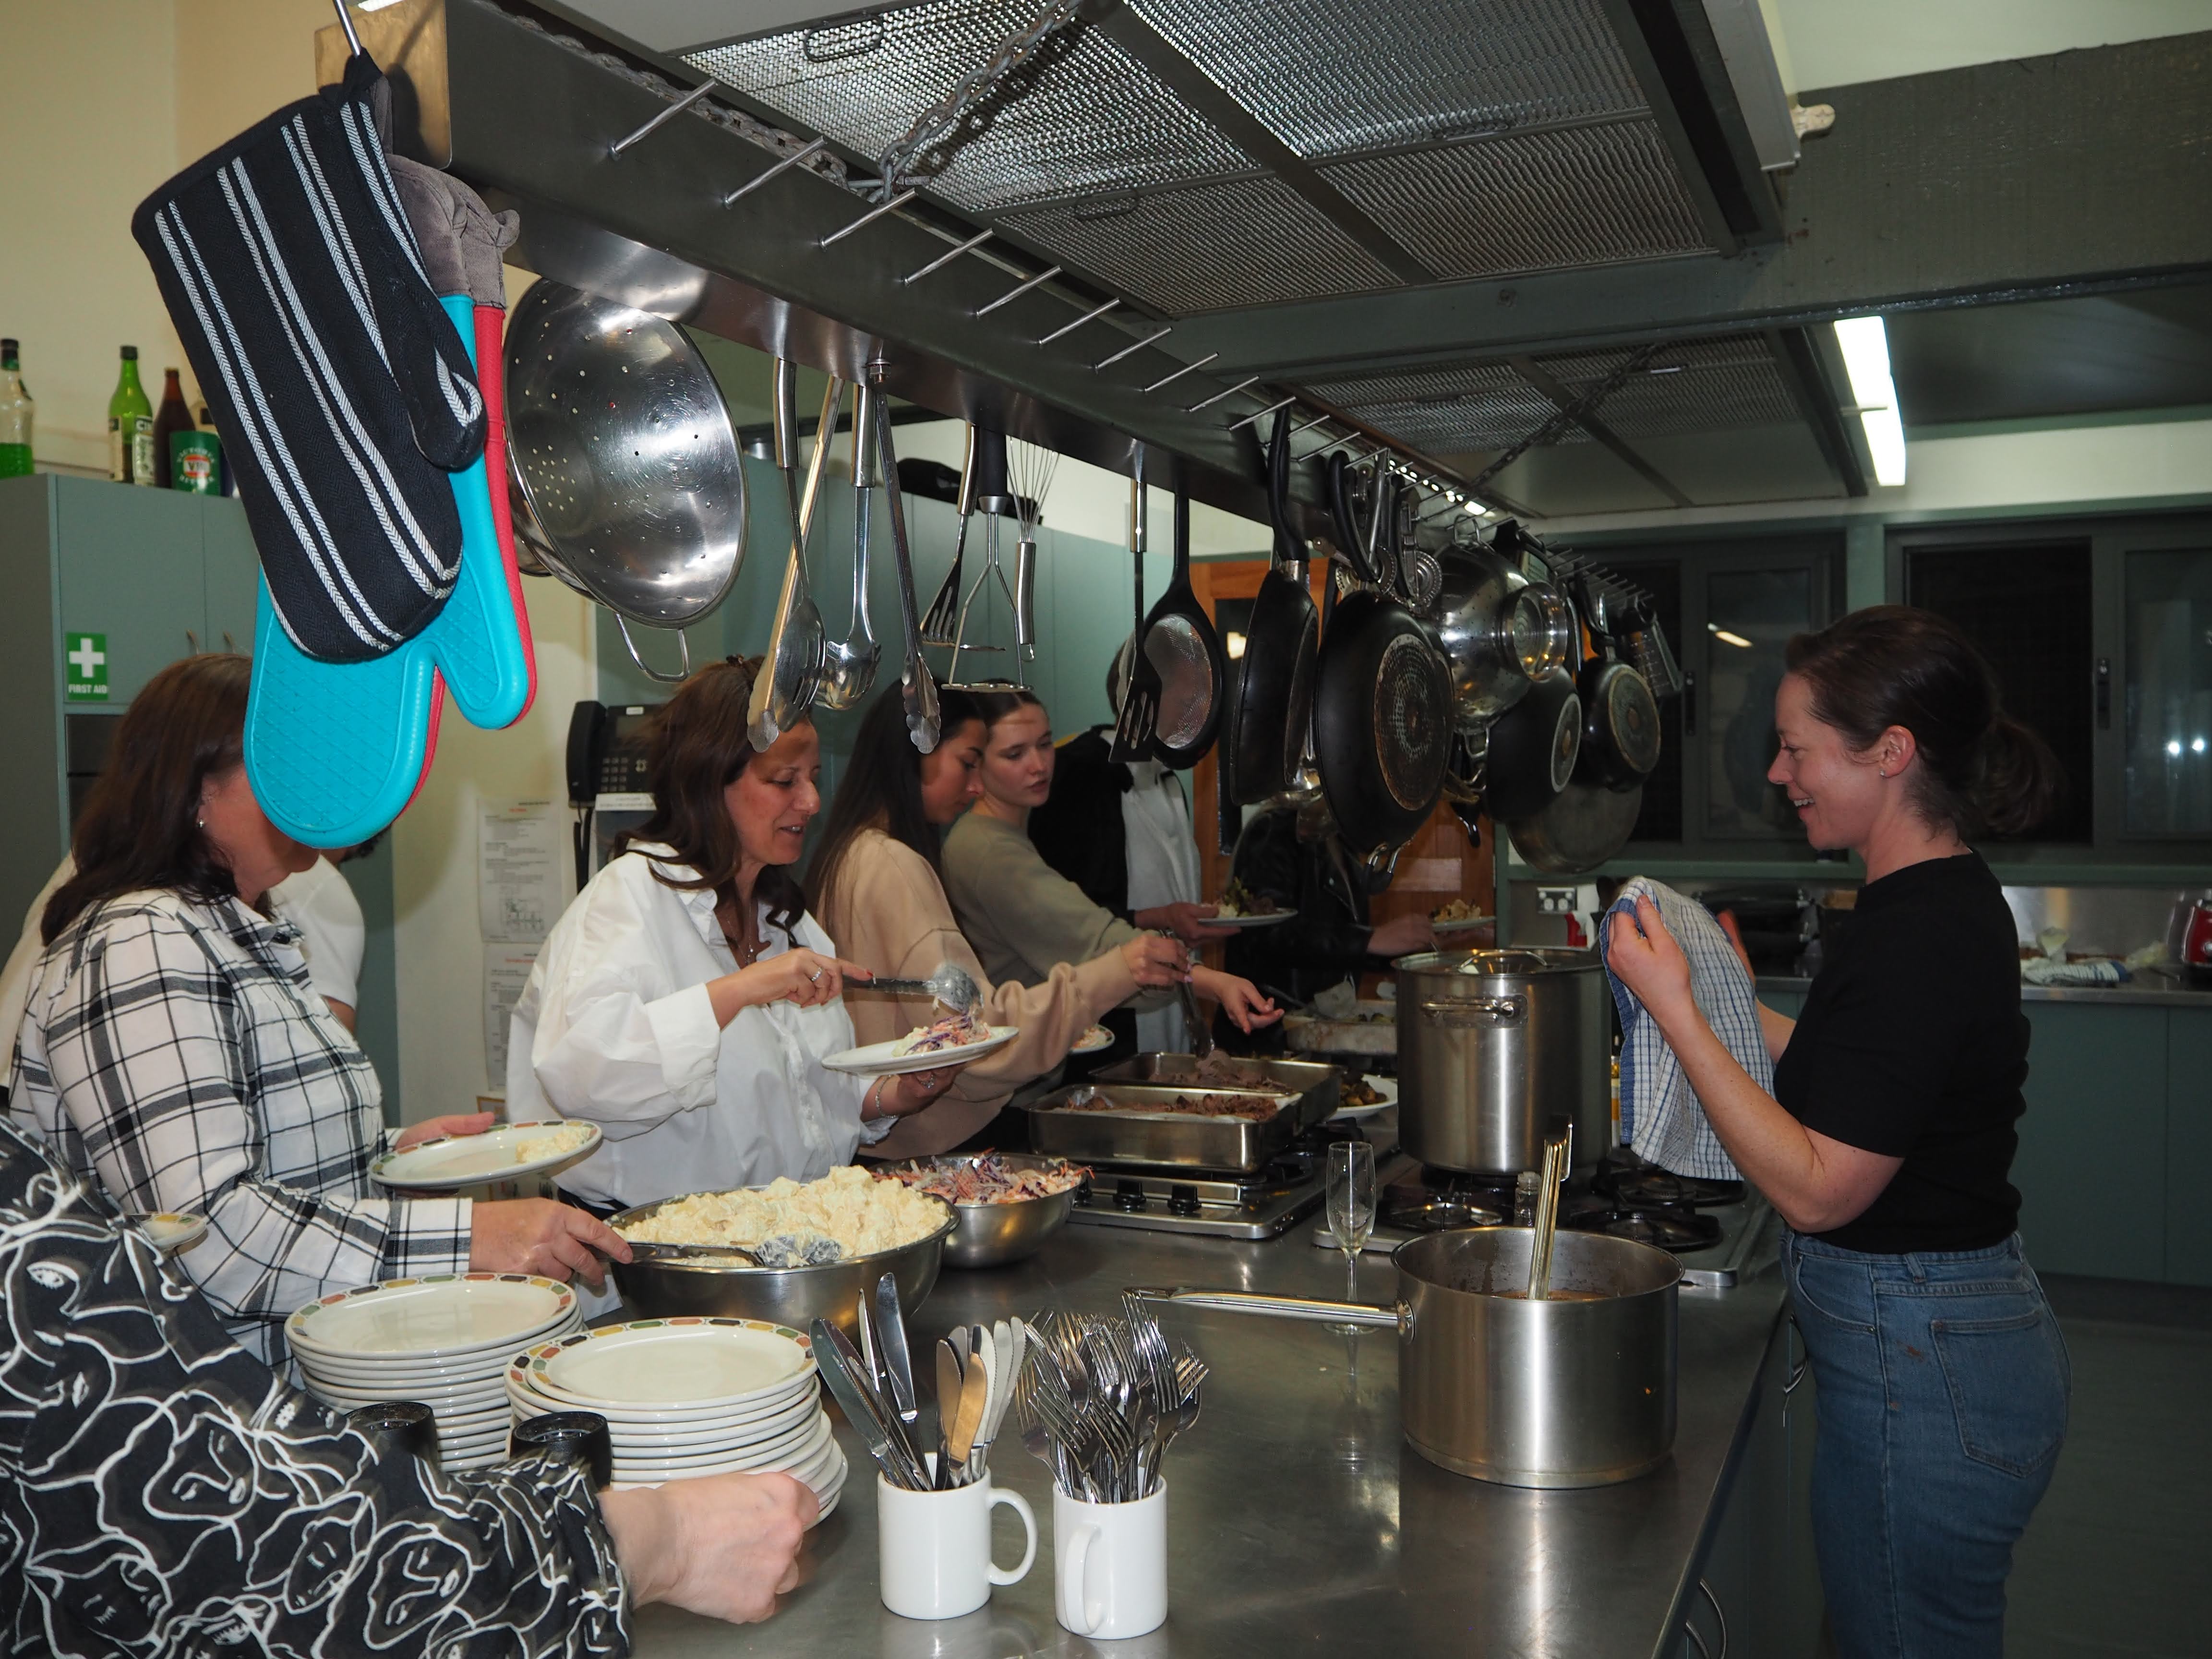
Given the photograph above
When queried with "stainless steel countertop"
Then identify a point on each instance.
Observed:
(1297, 1516)
(2150, 989)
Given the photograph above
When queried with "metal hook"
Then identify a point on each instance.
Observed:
(621, 623)
(346, 23)
(663, 119)
(1157, 334)
(1262, 414)
(1184, 370)
(944, 259)
(1305, 426)
(1208, 403)
(1044, 276)
(1348, 438)
(1088, 316)
(871, 216)
(790, 161)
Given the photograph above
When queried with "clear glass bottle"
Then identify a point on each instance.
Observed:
(130, 426)
(15, 414)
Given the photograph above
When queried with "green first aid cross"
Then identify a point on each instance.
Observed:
(84, 660)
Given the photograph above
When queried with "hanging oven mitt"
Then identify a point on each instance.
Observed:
(343, 387)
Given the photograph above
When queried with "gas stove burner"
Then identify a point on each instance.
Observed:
(1439, 1215)
(1639, 1186)
(1671, 1227)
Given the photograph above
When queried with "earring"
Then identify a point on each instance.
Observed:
(203, 822)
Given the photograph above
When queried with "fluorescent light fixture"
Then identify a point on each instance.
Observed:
(2196, 745)
(1727, 638)
(1865, 346)
(2173, 746)
(374, 5)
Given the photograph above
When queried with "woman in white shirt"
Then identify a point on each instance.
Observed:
(685, 1002)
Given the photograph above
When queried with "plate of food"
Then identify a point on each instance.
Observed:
(1458, 917)
(1363, 1096)
(952, 1040)
(509, 1152)
(1241, 908)
(1096, 1038)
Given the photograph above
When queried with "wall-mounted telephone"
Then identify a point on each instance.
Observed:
(606, 750)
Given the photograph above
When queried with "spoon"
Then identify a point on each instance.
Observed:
(952, 985)
(848, 666)
(785, 688)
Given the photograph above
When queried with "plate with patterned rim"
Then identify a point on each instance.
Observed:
(690, 1362)
(512, 1150)
(437, 1314)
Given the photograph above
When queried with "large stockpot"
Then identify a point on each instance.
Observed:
(1492, 1046)
(1569, 1391)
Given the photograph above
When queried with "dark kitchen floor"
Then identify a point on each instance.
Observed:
(2118, 1559)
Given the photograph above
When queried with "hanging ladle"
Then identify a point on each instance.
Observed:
(785, 690)
(848, 666)
(918, 687)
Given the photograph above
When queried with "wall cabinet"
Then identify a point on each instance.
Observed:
(154, 574)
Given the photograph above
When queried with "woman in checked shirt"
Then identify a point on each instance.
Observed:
(174, 1050)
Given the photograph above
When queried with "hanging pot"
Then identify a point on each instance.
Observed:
(1620, 725)
(1179, 643)
(1534, 746)
(1579, 828)
(1268, 704)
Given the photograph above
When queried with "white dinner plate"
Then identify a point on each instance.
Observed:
(439, 1316)
(443, 1402)
(1385, 1086)
(1267, 921)
(681, 1362)
(877, 1059)
(662, 1421)
(452, 1162)
(1464, 925)
(1094, 1039)
(650, 1439)
(799, 1449)
(486, 1363)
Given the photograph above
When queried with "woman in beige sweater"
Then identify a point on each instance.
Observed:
(1021, 914)
(874, 885)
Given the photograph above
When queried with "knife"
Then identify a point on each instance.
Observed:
(830, 1351)
(898, 1363)
(974, 1393)
(872, 1356)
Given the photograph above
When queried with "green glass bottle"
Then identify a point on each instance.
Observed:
(130, 426)
(15, 411)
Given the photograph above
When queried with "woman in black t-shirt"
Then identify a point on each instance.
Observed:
(1942, 1383)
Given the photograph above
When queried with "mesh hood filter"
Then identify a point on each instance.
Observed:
(1711, 385)
(1326, 82)
(1412, 722)
(1081, 118)
(1236, 242)
(1529, 202)
(1449, 410)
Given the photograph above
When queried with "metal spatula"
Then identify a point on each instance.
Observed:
(937, 624)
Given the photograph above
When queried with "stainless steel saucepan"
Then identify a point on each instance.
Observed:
(1575, 1389)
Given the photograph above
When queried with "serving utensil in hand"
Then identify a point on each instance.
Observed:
(782, 1250)
(950, 985)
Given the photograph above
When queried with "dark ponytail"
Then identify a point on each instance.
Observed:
(1892, 665)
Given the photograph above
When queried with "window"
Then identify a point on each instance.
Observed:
(2168, 650)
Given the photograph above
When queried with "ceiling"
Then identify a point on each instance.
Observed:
(1257, 178)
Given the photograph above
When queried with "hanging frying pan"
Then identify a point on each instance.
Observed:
(1534, 746)
(1581, 827)
(1381, 713)
(1620, 725)
(1179, 643)
(1268, 704)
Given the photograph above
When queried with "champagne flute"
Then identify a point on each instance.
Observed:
(1350, 1210)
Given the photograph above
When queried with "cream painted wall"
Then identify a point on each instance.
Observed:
(1838, 42)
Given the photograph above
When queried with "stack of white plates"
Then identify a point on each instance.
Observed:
(689, 1396)
(443, 1339)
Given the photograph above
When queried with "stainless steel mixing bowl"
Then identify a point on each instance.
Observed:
(656, 1289)
(993, 1235)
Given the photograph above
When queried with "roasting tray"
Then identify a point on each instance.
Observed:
(1163, 1138)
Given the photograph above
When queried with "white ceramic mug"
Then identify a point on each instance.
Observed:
(933, 1548)
(1110, 1565)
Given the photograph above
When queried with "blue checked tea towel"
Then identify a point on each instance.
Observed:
(1661, 1117)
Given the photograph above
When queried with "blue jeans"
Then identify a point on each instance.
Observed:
(1942, 1387)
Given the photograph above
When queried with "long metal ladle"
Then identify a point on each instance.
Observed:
(848, 666)
(785, 689)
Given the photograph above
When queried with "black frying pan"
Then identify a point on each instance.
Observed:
(1620, 725)
(1180, 642)
(1267, 707)
(1534, 746)
(1381, 713)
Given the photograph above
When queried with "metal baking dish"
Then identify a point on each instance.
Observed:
(1135, 1134)
(1319, 1088)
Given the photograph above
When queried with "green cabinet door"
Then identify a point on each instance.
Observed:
(132, 593)
(2188, 1145)
(234, 577)
(2094, 1136)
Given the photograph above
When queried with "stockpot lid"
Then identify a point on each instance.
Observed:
(1511, 962)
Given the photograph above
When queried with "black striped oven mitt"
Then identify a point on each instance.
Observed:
(342, 391)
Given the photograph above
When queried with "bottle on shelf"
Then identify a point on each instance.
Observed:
(225, 484)
(130, 426)
(16, 412)
(172, 416)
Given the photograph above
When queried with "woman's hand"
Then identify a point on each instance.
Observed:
(1650, 963)
(725, 1545)
(544, 1236)
(1154, 961)
(805, 977)
(1186, 921)
(457, 1123)
(1239, 999)
(898, 1096)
